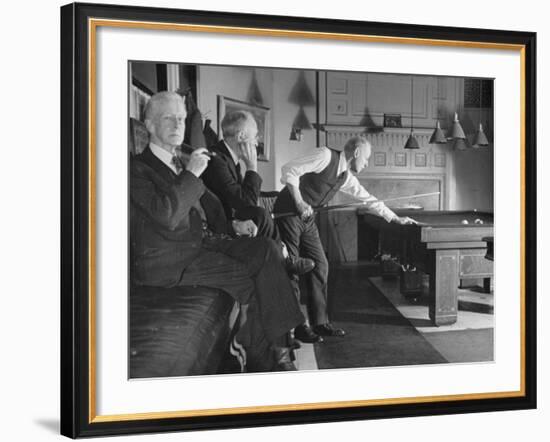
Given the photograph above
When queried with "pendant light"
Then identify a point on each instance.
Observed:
(480, 139)
(412, 142)
(300, 123)
(302, 97)
(461, 144)
(438, 137)
(457, 132)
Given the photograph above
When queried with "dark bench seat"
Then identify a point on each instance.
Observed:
(179, 331)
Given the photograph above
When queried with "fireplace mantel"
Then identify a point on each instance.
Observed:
(379, 137)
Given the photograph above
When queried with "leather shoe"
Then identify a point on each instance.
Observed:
(284, 362)
(328, 330)
(299, 266)
(304, 333)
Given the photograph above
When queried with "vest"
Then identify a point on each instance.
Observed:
(317, 189)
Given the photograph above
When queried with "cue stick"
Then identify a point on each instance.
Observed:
(360, 203)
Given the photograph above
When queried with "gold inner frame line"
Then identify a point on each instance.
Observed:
(93, 24)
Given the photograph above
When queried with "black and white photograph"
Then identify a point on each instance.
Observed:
(301, 220)
(274, 221)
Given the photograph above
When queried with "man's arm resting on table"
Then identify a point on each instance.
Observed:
(353, 187)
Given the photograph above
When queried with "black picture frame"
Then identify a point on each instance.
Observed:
(78, 417)
(392, 120)
(261, 115)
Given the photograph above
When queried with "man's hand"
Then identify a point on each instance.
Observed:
(245, 228)
(304, 209)
(198, 161)
(404, 220)
(249, 154)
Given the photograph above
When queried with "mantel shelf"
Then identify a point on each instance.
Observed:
(369, 130)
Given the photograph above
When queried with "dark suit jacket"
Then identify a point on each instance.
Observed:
(222, 178)
(165, 225)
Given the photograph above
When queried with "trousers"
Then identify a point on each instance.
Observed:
(262, 219)
(302, 239)
(251, 270)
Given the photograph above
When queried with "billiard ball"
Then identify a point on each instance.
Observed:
(464, 221)
(478, 221)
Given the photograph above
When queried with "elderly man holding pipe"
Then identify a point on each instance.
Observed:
(181, 237)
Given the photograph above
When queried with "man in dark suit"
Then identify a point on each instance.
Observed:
(180, 236)
(239, 195)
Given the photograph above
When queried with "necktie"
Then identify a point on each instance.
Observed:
(177, 161)
(239, 176)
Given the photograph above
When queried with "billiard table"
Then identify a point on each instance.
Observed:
(443, 246)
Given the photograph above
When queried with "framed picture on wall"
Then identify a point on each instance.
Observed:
(99, 395)
(261, 114)
(392, 120)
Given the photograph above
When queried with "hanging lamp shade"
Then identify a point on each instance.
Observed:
(480, 138)
(301, 121)
(254, 93)
(457, 132)
(295, 134)
(412, 142)
(300, 93)
(460, 144)
(438, 137)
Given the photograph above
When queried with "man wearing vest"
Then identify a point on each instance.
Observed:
(311, 182)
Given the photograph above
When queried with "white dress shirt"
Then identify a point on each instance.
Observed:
(317, 162)
(164, 156)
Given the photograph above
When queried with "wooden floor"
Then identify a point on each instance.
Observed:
(386, 329)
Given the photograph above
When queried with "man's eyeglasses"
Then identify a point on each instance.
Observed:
(176, 119)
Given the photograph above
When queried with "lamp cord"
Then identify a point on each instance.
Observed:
(480, 95)
(412, 118)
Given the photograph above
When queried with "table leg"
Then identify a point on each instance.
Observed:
(443, 270)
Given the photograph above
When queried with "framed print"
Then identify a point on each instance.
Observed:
(261, 115)
(392, 120)
(174, 319)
